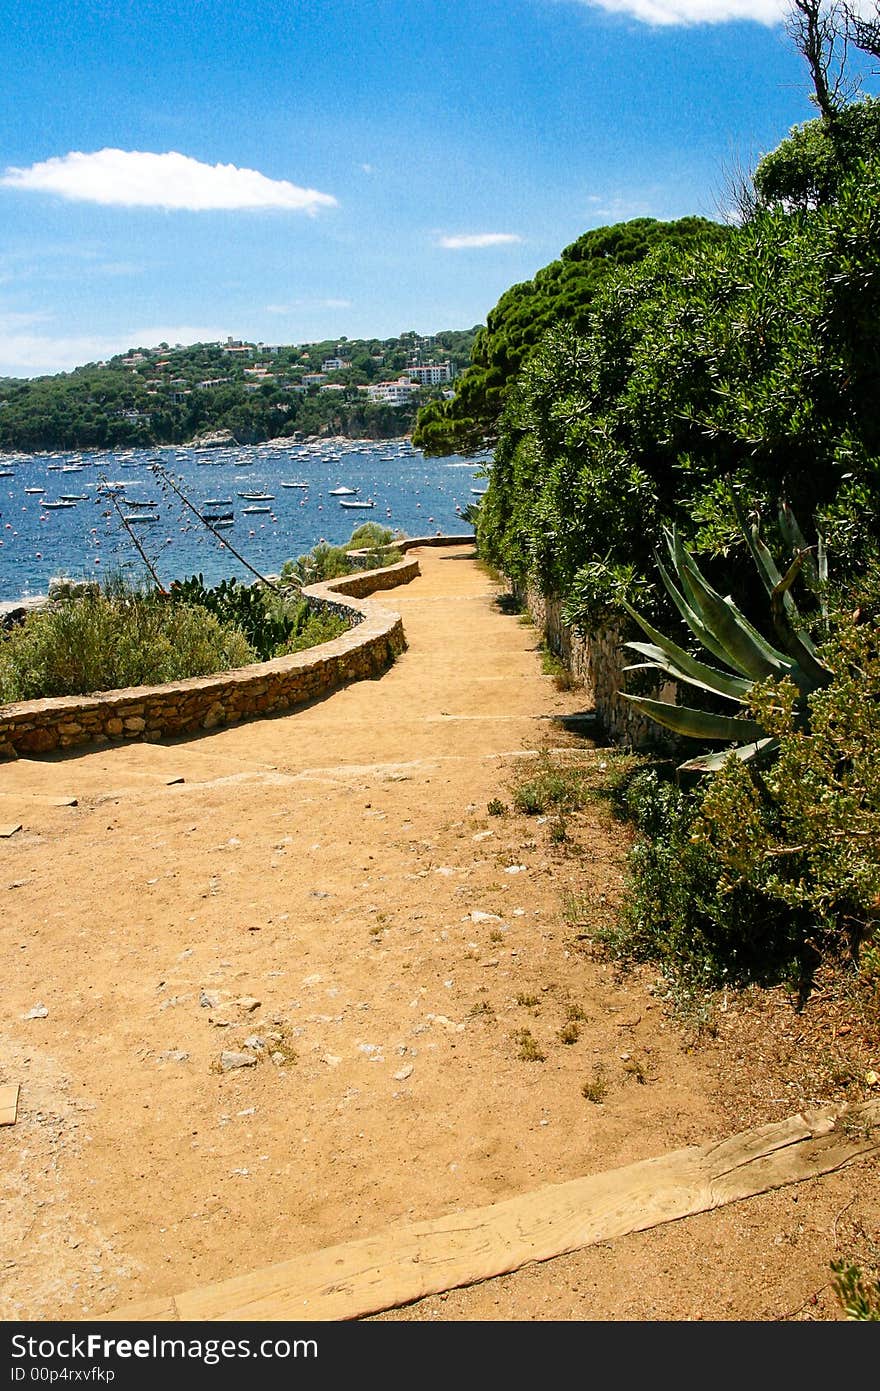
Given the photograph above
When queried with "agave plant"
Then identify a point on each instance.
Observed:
(726, 633)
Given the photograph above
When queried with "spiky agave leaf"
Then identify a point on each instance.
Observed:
(696, 724)
(770, 575)
(808, 673)
(689, 669)
(692, 618)
(716, 682)
(747, 649)
(759, 753)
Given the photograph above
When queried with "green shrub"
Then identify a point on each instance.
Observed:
(114, 638)
(322, 562)
(309, 628)
(372, 535)
(326, 562)
(806, 832)
(749, 362)
(678, 910)
(273, 623)
(760, 872)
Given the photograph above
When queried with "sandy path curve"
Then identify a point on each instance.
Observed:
(325, 895)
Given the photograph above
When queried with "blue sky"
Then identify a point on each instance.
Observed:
(184, 170)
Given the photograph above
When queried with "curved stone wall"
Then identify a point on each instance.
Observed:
(206, 702)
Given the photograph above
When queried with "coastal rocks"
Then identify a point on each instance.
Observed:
(213, 439)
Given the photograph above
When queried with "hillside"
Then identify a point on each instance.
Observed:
(361, 388)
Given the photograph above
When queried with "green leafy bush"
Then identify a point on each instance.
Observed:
(322, 562)
(326, 562)
(115, 638)
(749, 363)
(680, 913)
(759, 872)
(806, 831)
(273, 624)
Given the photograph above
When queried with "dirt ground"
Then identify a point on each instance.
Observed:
(326, 893)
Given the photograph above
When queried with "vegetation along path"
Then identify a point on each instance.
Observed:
(297, 982)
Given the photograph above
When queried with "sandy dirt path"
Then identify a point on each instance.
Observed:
(325, 895)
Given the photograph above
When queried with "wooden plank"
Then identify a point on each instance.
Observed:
(9, 1103)
(159, 1310)
(395, 1267)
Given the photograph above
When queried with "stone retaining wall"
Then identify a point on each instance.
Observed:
(206, 702)
(597, 659)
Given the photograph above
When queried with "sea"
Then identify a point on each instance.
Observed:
(134, 512)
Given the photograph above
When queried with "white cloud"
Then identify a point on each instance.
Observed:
(478, 239)
(616, 208)
(689, 12)
(135, 178)
(30, 354)
(296, 304)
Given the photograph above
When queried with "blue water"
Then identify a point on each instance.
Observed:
(412, 494)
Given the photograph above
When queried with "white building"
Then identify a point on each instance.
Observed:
(392, 393)
(432, 374)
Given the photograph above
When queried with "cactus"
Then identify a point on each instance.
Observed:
(726, 633)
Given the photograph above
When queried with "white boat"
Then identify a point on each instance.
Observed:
(136, 502)
(53, 506)
(343, 492)
(258, 497)
(223, 521)
(217, 502)
(140, 517)
(294, 485)
(343, 503)
(256, 509)
(35, 490)
(73, 497)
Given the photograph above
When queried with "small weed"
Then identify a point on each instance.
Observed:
(558, 830)
(496, 807)
(595, 1088)
(529, 1048)
(570, 1032)
(496, 935)
(552, 665)
(574, 1012)
(376, 929)
(527, 1000)
(288, 1053)
(481, 1009)
(855, 1296)
(528, 800)
(635, 1069)
(559, 787)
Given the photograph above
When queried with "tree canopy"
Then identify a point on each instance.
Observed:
(560, 293)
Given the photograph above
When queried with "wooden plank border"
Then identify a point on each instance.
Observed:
(398, 1266)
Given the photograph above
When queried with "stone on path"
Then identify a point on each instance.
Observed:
(229, 1061)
